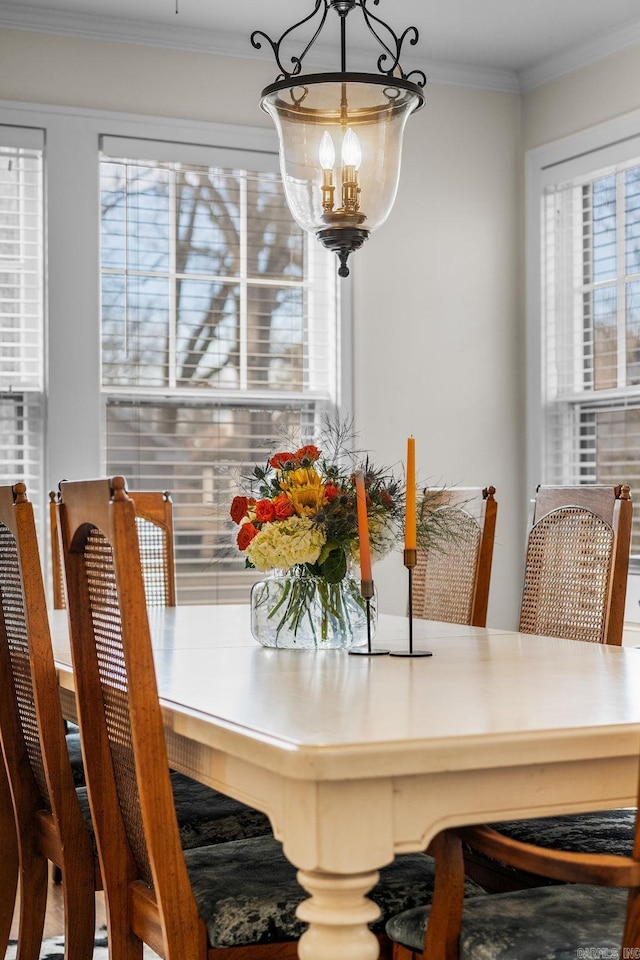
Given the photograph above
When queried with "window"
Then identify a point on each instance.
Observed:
(591, 331)
(21, 309)
(219, 334)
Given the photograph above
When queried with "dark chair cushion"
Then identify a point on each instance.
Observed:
(606, 831)
(543, 923)
(247, 892)
(204, 815)
(75, 755)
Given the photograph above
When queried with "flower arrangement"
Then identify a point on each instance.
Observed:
(301, 520)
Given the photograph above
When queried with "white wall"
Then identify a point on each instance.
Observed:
(437, 339)
(438, 346)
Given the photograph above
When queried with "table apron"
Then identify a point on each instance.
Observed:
(347, 826)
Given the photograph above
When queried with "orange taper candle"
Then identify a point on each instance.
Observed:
(363, 528)
(410, 536)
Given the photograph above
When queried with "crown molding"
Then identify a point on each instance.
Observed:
(552, 68)
(15, 16)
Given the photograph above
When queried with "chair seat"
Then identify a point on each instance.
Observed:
(543, 923)
(606, 831)
(205, 816)
(247, 891)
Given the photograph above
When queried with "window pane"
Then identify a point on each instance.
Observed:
(209, 222)
(274, 240)
(605, 338)
(275, 337)
(208, 334)
(633, 332)
(615, 442)
(135, 331)
(632, 220)
(604, 229)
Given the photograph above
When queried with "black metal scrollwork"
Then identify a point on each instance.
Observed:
(388, 62)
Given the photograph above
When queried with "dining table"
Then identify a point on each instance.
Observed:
(356, 759)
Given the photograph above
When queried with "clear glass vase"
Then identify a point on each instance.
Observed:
(298, 611)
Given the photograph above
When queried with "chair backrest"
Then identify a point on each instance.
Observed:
(451, 581)
(120, 717)
(31, 723)
(154, 518)
(577, 562)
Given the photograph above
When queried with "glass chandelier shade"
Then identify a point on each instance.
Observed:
(341, 137)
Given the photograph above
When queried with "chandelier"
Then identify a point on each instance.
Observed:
(341, 133)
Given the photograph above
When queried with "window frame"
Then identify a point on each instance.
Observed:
(72, 273)
(589, 151)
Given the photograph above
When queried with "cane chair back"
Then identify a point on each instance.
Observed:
(154, 519)
(224, 901)
(48, 818)
(577, 563)
(451, 581)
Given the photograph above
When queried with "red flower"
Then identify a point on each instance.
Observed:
(239, 508)
(246, 533)
(283, 507)
(308, 453)
(330, 491)
(280, 460)
(265, 511)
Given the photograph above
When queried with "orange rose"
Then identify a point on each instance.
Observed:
(308, 453)
(239, 507)
(280, 460)
(330, 491)
(283, 507)
(246, 533)
(265, 511)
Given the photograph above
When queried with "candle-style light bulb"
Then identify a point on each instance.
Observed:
(327, 158)
(351, 160)
(351, 150)
(327, 152)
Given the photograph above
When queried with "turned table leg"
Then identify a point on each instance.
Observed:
(338, 913)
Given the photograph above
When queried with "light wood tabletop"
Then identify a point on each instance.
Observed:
(355, 759)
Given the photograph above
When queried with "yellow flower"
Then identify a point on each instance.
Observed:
(305, 489)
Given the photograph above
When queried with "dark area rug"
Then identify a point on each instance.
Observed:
(53, 948)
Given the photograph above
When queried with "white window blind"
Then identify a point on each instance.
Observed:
(219, 335)
(21, 309)
(591, 314)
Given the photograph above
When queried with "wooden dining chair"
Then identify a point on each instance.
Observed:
(231, 900)
(594, 911)
(154, 519)
(204, 815)
(451, 581)
(574, 588)
(48, 818)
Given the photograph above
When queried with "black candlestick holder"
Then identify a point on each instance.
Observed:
(367, 591)
(410, 560)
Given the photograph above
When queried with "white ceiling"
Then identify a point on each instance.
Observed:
(501, 44)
